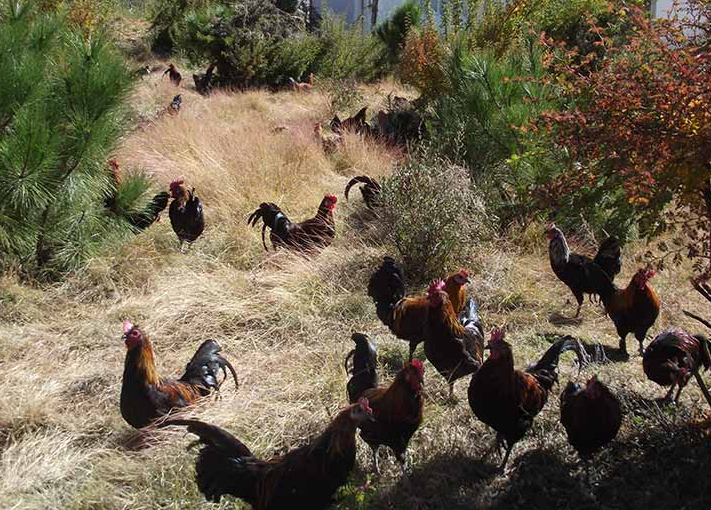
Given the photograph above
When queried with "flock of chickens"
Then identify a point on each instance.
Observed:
(448, 323)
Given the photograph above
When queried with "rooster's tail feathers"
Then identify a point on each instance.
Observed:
(608, 257)
(545, 369)
(387, 285)
(469, 316)
(364, 179)
(204, 367)
(223, 464)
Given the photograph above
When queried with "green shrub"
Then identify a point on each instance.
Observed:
(483, 122)
(434, 216)
(60, 117)
(393, 31)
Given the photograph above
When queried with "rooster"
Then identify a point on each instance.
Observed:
(145, 396)
(174, 107)
(591, 415)
(406, 316)
(673, 357)
(633, 309)
(370, 190)
(318, 232)
(173, 74)
(306, 477)
(364, 371)
(577, 271)
(302, 86)
(455, 346)
(186, 214)
(507, 399)
(397, 413)
(357, 123)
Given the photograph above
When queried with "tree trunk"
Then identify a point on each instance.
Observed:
(373, 14)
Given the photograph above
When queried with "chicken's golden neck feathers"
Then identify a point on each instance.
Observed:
(145, 364)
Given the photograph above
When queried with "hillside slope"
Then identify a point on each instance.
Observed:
(285, 322)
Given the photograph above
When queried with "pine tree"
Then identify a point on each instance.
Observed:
(62, 113)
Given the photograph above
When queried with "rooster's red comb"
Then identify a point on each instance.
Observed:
(464, 273)
(365, 405)
(435, 286)
(550, 225)
(497, 334)
(127, 326)
(419, 366)
(332, 198)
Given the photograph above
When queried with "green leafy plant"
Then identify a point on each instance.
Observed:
(433, 213)
(61, 115)
(393, 31)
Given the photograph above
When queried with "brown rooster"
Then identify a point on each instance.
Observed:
(306, 477)
(508, 399)
(173, 74)
(673, 357)
(591, 415)
(406, 316)
(356, 124)
(454, 345)
(633, 309)
(308, 235)
(370, 190)
(186, 213)
(397, 410)
(579, 272)
(145, 396)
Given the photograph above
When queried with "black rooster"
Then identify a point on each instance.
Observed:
(364, 373)
(575, 270)
(151, 213)
(370, 190)
(175, 104)
(186, 214)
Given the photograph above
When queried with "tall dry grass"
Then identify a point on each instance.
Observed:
(285, 322)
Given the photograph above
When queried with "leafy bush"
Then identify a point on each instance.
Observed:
(343, 95)
(60, 116)
(346, 54)
(421, 62)
(166, 18)
(393, 31)
(433, 214)
(483, 122)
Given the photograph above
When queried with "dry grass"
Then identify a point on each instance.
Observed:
(285, 322)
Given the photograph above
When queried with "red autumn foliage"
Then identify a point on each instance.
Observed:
(638, 117)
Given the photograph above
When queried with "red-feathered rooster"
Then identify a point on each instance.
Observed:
(406, 316)
(454, 345)
(508, 399)
(357, 123)
(304, 478)
(397, 410)
(145, 396)
(370, 190)
(577, 271)
(673, 357)
(186, 213)
(633, 309)
(591, 415)
(318, 232)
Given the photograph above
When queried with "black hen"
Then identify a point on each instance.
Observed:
(575, 270)
(364, 373)
(387, 288)
(370, 190)
(186, 214)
